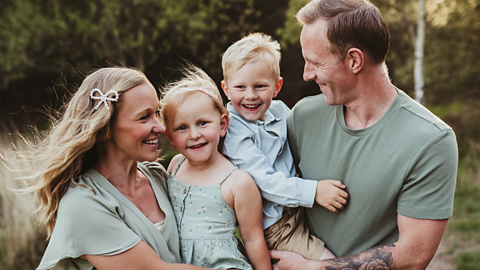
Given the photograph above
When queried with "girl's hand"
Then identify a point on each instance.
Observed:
(331, 195)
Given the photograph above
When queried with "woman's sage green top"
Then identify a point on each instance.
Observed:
(107, 223)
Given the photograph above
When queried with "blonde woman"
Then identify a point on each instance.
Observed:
(102, 198)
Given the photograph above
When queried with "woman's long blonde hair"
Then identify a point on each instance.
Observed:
(68, 148)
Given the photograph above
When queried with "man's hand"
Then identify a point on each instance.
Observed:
(331, 195)
(289, 260)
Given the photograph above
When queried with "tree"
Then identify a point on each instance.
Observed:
(419, 41)
(42, 39)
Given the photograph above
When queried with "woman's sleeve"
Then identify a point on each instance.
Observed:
(158, 172)
(88, 223)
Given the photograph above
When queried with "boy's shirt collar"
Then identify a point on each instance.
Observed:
(269, 116)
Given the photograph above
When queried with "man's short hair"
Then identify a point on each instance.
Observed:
(350, 24)
(252, 49)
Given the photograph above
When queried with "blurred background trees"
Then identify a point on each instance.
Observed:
(48, 46)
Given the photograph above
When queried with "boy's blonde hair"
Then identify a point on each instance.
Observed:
(251, 49)
(195, 81)
(69, 146)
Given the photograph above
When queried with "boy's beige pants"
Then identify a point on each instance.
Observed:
(291, 233)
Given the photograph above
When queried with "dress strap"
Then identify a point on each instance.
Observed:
(178, 165)
(228, 174)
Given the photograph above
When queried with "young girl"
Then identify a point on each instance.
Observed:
(208, 193)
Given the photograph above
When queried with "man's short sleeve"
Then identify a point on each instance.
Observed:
(430, 185)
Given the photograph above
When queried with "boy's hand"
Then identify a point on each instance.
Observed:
(331, 195)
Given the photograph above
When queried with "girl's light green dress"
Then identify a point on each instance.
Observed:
(107, 223)
(206, 224)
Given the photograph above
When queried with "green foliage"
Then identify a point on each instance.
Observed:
(468, 260)
(466, 218)
(135, 33)
(290, 33)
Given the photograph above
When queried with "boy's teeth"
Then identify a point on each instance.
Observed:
(152, 141)
(251, 106)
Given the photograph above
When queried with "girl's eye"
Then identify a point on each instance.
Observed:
(202, 123)
(182, 128)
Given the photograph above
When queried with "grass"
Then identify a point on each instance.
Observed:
(468, 261)
(465, 223)
(21, 242)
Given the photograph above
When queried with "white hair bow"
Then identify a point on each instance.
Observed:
(103, 97)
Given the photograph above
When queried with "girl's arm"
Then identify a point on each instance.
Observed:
(248, 208)
(141, 257)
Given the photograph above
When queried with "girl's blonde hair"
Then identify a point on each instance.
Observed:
(195, 80)
(251, 49)
(68, 149)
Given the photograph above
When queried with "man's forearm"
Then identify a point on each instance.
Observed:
(380, 257)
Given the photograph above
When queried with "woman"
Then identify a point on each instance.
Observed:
(101, 206)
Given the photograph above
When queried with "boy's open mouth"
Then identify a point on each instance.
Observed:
(250, 107)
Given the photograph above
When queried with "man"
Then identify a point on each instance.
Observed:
(397, 159)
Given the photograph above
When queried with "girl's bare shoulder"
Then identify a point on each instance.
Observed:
(174, 162)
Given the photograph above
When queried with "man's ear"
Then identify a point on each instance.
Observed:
(278, 87)
(169, 138)
(225, 90)
(224, 121)
(356, 60)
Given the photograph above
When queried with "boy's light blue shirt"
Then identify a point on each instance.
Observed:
(261, 149)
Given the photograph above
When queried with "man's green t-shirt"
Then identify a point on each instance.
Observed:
(405, 164)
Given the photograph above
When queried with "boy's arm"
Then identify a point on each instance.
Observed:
(275, 186)
(248, 208)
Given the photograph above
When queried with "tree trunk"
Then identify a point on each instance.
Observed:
(419, 45)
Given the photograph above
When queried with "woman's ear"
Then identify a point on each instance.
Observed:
(356, 59)
(225, 90)
(278, 87)
(224, 121)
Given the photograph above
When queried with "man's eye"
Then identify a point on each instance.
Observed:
(145, 117)
(157, 113)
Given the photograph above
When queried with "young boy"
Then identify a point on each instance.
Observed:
(256, 142)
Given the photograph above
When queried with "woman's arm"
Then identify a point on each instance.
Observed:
(141, 257)
(248, 208)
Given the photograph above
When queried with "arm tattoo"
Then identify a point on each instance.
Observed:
(379, 258)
